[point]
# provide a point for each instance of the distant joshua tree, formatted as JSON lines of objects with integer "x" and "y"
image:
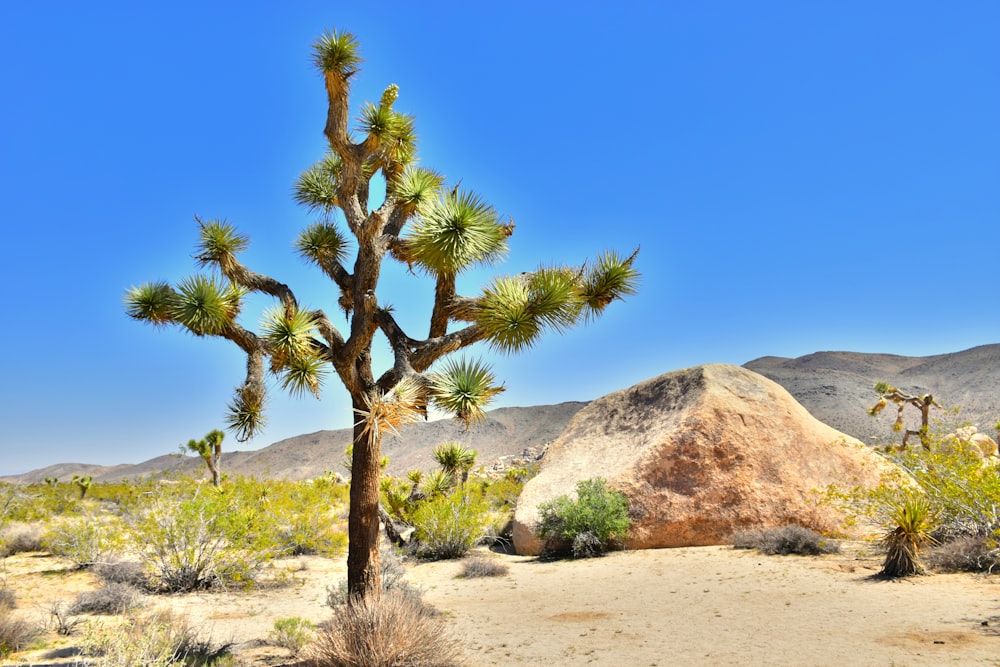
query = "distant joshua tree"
{"x": 209, "y": 449}
{"x": 923, "y": 403}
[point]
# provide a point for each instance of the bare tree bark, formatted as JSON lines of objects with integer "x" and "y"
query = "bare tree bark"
{"x": 364, "y": 577}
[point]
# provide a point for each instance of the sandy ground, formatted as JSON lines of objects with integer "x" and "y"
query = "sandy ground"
{"x": 692, "y": 606}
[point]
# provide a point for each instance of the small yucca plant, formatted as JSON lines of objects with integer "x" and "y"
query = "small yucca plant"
{"x": 914, "y": 520}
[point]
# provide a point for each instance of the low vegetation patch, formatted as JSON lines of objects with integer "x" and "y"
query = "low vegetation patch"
{"x": 592, "y": 523}
{"x": 110, "y": 599}
{"x": 391, "y": 629}
{"x": 16, "y": 632}
{"x": 973, "y": 553}
{"x": 292, "y": 633}
{"x": 482, "y": 566}
{"x": 791, "y": 539}
{"x": 156, "y": 640}
{"x": 20, "y": 537}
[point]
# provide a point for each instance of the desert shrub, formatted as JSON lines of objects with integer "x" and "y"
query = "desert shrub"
{"x": 156, "y": 640}
{"x": 448, "y": 526}
{"x": 63, "y": 620}
{"x": 791, "y": 539}
{"x": 8, "y": 600}
{"x": 16, "y": 633}
{"x": 20, "y": 537}
{"x": 482, "y": 566}
{"x": 307, "y": 517}
{"x": 292, "y": 633}
{"x": 964, "y": 554}
{"x": 391, "y": 629}
{"x": 111, "y": 599}
{"x": 598, "y": 517}
{"x": 204, "y": 540}
{"x": 129, "y": 572}
{"x": 86, "y": 541}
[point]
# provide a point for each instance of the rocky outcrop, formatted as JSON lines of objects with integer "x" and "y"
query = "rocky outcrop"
{"x": 969, "y": 439}
{"x": 701, "y": 453}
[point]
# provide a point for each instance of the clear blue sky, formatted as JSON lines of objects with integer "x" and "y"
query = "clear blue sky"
{"x": 801, "y": 176}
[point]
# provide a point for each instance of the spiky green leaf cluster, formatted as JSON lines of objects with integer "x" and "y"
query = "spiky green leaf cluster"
{"x": 321, "y": 243}
{"x": 219, "y": 243}
{"x": 455, "y": 232}
{"x": 464, "y": 388}
{"x": 554, "y": 298}
{"x": 505, "y": 313}
{"x": 337, "y": 53}
{"x": 290, "y": 333}
{"x": 612, "y": 278}
{"x": 206, "y": 305}
{"x": 316, "y": 188}
{"x": 151, "y": 302}
{"x": 417, "y": 188}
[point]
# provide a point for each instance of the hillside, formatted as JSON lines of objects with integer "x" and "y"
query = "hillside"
{"x": 507, "y": 431}
{"x": 838, "y": 387}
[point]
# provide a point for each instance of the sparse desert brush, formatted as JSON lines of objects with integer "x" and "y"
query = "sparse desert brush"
{"x": 970, "y": 553}
{"x": 482, "y": 566}
{"x": 110, "y": 599}
{"x": 129, "y": 572}
{"x": 18, "y": 537}
{"x": 388, "y": 629}
{"x": 155, "y": 640}
{"x": 8, "y": 600}
{"x": 16, "y": 632}
{"x": 86, "y": 541}
{"x": 204, "y": 540}
{"x": 292, "y": 633}
{"x": 791, "y": 539}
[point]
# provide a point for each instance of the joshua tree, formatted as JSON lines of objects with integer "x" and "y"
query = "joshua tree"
{"x": 455, "y": 459}
{"x": 83, "y": 483}
{"x": 438, "y": 232}
{"x": 209, "y": 449}
{"x": 923, "y": 403}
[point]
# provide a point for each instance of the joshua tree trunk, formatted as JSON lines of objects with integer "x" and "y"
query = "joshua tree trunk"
{"x": 364, "y": 578}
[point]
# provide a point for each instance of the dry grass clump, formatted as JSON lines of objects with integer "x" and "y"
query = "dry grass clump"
{"x": 129, "y": 572}
{"x": 482, "y": 566}
{"x": 156, "y": 640}
{"x": 7, "y": 598}
{"x": 111, "y": 599}
{"x": 393, "y": 629}
{"x": 18, "y": 538}
{"x": 16, "y": 634}
{"x": 964, "y": 554}
{"x": 787, "y": 540}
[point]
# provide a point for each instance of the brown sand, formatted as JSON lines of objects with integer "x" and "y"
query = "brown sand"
{"x": 691, "y": 606}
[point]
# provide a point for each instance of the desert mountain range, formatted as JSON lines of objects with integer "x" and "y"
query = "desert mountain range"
{"x": 836, "y": 387}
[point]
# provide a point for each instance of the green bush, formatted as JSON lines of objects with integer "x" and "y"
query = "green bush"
{"x": 86, "y": 541}
{"x": 587, "y": 526}
{"x": 209, "y": 539}
{"x": 448, "y": 526}
{"x": 292, "y": 633}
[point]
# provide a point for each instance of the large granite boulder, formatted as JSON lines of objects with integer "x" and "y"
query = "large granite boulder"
{"x": 701, "y": 453}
